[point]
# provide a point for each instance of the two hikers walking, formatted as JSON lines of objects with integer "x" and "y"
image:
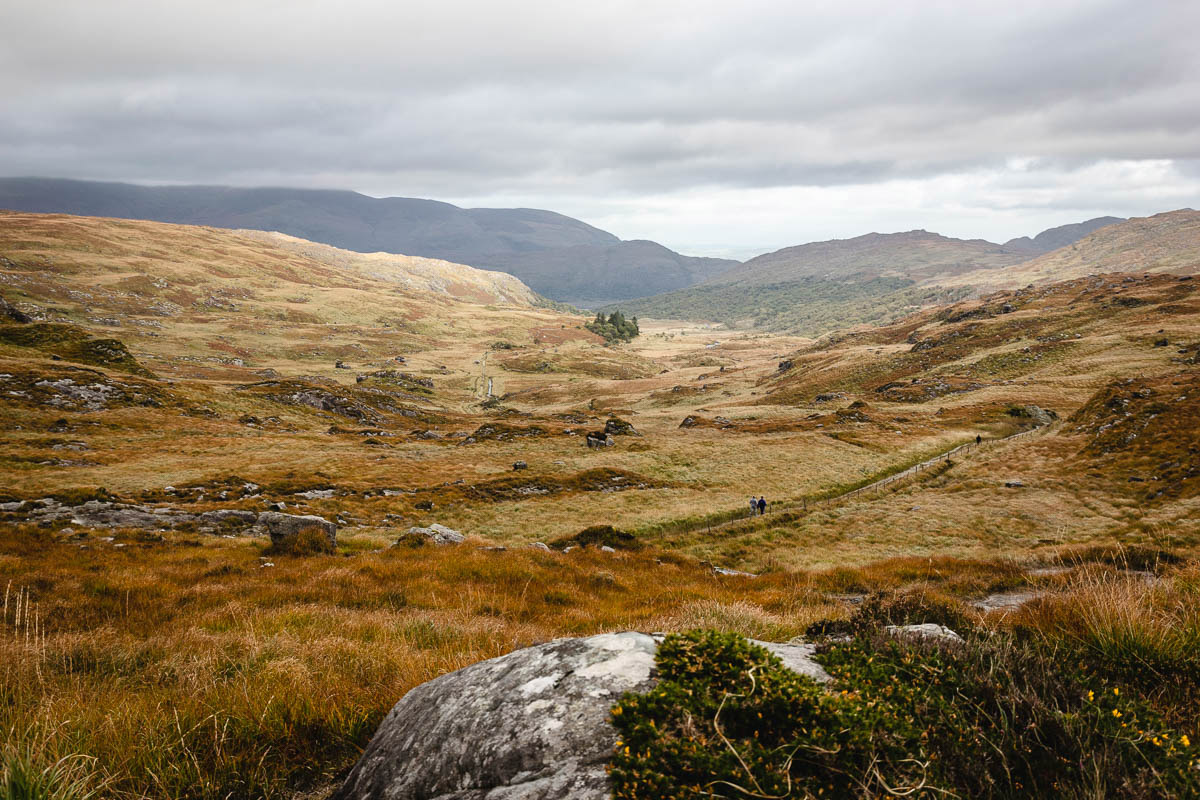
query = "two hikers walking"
{"x": 759, "y": 505}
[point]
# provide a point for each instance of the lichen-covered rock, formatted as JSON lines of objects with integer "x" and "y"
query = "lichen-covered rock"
{"x": 282, "y": 527}
{"x": 534, "y": 724}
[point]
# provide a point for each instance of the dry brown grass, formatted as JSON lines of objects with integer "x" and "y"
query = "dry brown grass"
{"x": 189, "y": 669}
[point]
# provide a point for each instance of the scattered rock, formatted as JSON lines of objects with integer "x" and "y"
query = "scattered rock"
{"x": 785, "y": 365}
{"x": 317, "y": 494}
{"x": 1014, "y": 484}
{"x": 247, "y": 517}
{"x": 519, "y": 465}
{"x": 540, "y": 546}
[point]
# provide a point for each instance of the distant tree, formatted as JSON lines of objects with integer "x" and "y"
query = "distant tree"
{"x": 615, "y": 327}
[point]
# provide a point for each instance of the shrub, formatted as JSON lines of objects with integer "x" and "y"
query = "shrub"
{"x": 992, "y": 718}
{"x": 600, "y": 536}
{"x": 881, "y": 609}
{"x": 614, "y": 327}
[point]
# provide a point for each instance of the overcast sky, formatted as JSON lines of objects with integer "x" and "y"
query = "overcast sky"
{"x": 712, "y": 127}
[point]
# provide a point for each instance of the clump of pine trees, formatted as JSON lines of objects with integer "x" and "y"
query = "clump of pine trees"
{"x": 614, "y": 327}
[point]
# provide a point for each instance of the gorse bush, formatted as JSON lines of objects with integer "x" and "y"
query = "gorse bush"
{"x": 992, "y": 718}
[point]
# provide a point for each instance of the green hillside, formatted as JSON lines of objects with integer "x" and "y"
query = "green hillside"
{"x": 808, "y": 307}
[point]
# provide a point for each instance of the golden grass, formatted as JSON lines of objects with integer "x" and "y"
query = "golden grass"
{"x": 188, "y": 668}
{"x": 192, "y": 668}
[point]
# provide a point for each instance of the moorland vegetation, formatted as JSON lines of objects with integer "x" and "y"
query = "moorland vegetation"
{"x": 154, "y": 644}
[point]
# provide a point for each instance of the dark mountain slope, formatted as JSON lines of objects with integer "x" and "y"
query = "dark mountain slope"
{"x": 559, "y": 257}
{"x": 1063, "y": 235}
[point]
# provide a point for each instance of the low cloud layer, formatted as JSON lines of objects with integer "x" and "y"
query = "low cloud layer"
{"x": 710, "y": 126}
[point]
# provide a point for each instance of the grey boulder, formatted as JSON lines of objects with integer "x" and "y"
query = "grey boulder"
{"x": 531, "y": 725}
{"x": 282, "y": 527}
{"x": 435, "y": 533}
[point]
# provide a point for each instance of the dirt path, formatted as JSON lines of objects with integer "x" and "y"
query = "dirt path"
{"x": 485, "y": 384}
{"x": 807, "y": 503}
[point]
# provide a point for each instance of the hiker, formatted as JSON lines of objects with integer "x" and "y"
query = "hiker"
{"x": 978, "y": 439}
{"x": 762, "y": 506}
{"x": 753, "y": 505}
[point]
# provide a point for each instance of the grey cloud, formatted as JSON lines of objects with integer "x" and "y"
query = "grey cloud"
{"x": 563, "y": 100}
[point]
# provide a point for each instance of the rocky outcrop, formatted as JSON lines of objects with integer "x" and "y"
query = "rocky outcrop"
{"x": 599, "y": 439}
{"x": 112, "y": 514}
{"x": 10, "y": 313}
{"x": 615, "y": 426}
{"x": 533, "y": 724}
{"x": 104, "y": 514}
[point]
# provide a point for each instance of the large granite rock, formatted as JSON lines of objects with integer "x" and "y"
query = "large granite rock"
{"x": 533, "y": 724}
{"x": 434, "y": 534}
{"x": 284, "y": 527}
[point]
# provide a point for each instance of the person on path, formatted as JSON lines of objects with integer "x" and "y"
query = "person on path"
{"x": 978, "y": 439}
{"x": 753, "y": 505}
{"x": 762, "y": 506}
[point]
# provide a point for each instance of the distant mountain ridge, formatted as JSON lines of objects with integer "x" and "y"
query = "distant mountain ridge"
{"x": 1166, "y": 242}
{"x": 817, "y": 287}
{"x": 910, "y": 255}
{"x": 557, "y": 256}
{"x": 1063, "y": 235}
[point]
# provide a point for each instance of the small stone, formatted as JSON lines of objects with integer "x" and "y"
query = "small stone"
{"x": 927, "y": 629}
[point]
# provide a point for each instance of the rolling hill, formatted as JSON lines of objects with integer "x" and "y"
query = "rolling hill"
{"x": 815, "y": 288}
{"x": 1063, "y": 235}
{"x": 1167, "y": 242}
{"x": 559, "y": 257}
